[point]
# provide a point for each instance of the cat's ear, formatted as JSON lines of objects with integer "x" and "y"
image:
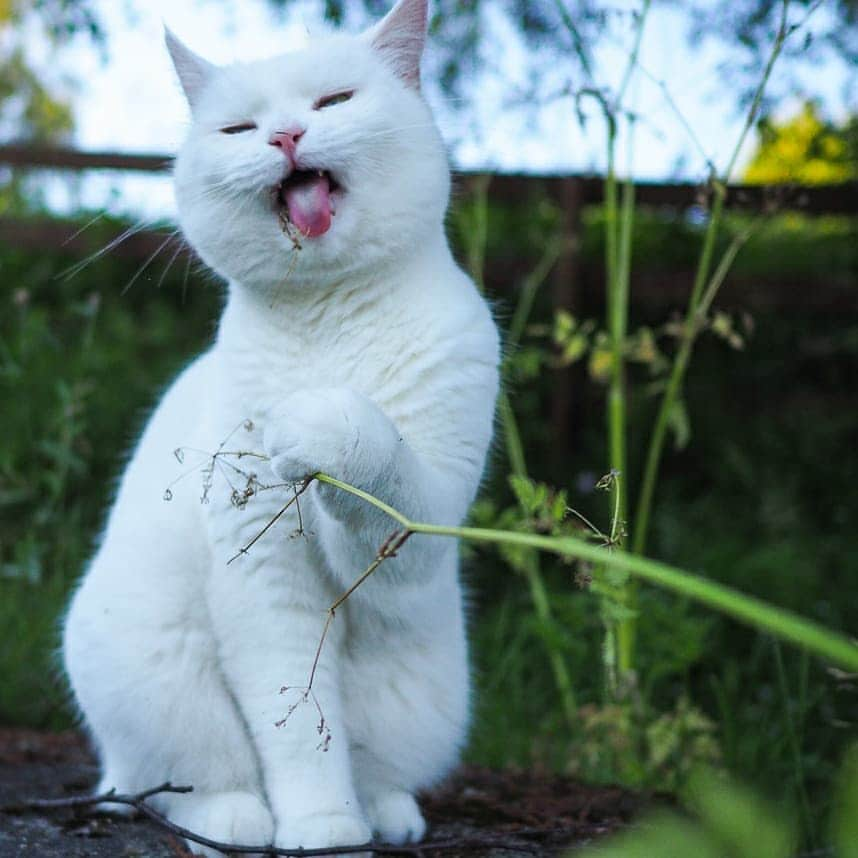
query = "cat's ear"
{"x": 194, "y": 72}
{"x": 400, "y": 37}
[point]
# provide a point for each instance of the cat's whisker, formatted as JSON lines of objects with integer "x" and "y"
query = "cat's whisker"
{"x": 181, "y": 245}
{"x": 185, "y": 278}
{"x": 387, "y": 132}
{"x": 84, "y": 228}
{"x": 154, "y": 255}
{"x": 72, "y": 270}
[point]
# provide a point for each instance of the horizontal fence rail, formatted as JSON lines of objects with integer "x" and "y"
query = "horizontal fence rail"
{"x": 577, "y": 190}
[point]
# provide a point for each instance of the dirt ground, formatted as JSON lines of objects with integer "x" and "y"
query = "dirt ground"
{"x": 528, "y": 813}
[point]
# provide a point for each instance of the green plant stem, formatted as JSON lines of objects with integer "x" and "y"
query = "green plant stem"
{"x": 529, "y": 288}
{"x": 514, "y": 448}
{"x": 781, "y": 623}
{"x": 476, "y": 249}
{"x": 618, "y": 251}
{"x": 535, "y": 582}
{"x": 677, "y": 374}
{"x": 617, "y": 420}
{"x": 643, "y": 509}
{"x": 794, "y": 743}
{"x": 577, "y": 41}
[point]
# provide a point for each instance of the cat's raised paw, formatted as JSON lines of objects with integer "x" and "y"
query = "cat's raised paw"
{"x": 323, "y": 829}
{"x": 396, "y": 818}
{"x": 334, "y": 430}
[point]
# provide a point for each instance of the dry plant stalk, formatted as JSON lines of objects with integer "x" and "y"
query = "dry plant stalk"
{"x": 219, "y": 460}
{"x": 139, "y": 803}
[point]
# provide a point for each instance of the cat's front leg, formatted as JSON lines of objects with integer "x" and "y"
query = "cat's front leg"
{"x": 268, "y": 615}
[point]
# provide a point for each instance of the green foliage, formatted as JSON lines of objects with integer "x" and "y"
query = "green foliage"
{"x": 805, "y": 149}
{"x": 551, "y": 30}
{"x": 78, "y": 364}
{"x": 641, "y": 747}
{"x": 27, "y": 103}
{"x": 729, "y": 820}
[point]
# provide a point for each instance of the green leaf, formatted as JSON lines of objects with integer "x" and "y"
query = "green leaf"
{"x": 558, "y": 507}
{"x": 601, "y": 363}
{"x": 745, "y": 825}
{"x": 574, "y": 349}
{"x": 564, "y": 325}
{"x": 663, "y": 836}
{"x": 616, "y": 612}
{"x": 679, "y": 423}
{"x": 526, "y": 361}
{"x": 524, "y": 490}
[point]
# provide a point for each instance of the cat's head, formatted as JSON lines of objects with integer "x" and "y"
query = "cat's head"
{"x": 331, "y": 149}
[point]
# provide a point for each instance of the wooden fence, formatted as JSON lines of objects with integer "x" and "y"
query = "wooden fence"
{"x": 570, "y": 193}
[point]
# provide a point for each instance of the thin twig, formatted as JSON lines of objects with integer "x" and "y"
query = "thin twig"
{"x": 138, "y": 802}
{"x": 388, "y": 549}
{"x": 108, "y": 797}
{"x": 272, "y": 521}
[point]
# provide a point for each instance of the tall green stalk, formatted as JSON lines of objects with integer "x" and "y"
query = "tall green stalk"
{"x": 691, "y": 327}
{"x": 618, "y": 253}
{"x": 781, "y": 623}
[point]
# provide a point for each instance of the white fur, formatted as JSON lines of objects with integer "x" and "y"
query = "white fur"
{"x": 367, "y": 354}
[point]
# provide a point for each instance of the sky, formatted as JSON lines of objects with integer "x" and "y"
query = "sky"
{"x": 133, "y": 102}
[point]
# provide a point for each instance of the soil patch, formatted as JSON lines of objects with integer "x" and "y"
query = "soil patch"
{"x": 525, "y": 811}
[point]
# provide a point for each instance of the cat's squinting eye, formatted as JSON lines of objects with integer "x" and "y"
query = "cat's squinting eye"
{"x": 331, "y": 100}
{"x": 239, "y": 128}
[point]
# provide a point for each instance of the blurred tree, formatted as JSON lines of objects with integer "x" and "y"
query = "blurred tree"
{"x": 806, "y": 149}
{"x": 462, "y": 31}
{"x": 30, "y": 106}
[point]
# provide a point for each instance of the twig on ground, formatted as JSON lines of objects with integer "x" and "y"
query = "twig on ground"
{"x": 108, "y": 797}
{"x": 517, "y": 841}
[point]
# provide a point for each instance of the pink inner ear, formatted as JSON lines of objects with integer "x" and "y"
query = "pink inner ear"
{"x": 400, "y": 38}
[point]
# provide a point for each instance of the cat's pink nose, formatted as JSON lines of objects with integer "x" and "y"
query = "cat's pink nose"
{"x": 287, "y": 141}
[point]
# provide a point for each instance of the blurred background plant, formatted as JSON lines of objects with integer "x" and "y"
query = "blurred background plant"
{"x": 757, "y": 485}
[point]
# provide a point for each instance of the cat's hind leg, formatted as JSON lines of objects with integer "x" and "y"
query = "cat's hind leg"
{"x": 145, "y": 673}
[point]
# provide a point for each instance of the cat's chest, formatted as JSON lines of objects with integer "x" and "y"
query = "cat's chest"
{"x": 385, "y": 363}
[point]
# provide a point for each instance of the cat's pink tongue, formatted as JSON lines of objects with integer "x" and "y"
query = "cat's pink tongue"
{"x": 309, "y": 204}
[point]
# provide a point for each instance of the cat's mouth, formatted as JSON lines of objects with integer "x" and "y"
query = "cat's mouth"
{"x": 306, "y": 199}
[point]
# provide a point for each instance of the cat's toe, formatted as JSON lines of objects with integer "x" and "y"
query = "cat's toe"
{"x": 323, "y": 829}
{"x": 396, "y": 818}
{"x": 238, "y": 818}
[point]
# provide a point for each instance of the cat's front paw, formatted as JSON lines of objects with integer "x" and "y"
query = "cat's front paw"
{"x": 334, "y": 430}
{"x": 321, "y": 830}
{"x": 396, "y": 818}
{"x": 227, "y": 817}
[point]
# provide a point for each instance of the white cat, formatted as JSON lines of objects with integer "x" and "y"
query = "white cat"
{"x": 351, "y": 343}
